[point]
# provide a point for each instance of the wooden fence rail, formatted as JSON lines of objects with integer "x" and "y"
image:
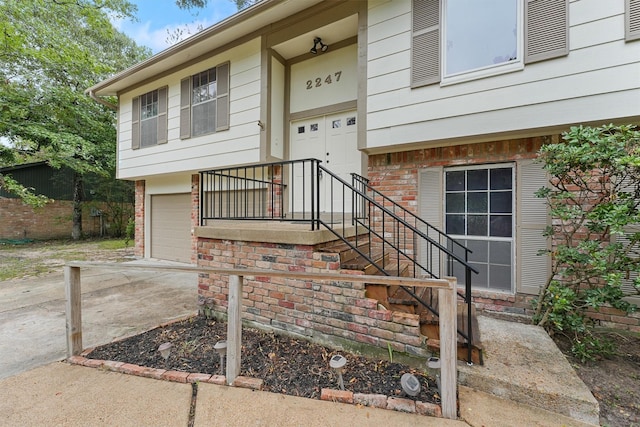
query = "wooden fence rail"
{"x": 446, "y": 295}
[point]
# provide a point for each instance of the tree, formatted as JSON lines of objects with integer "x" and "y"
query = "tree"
{"x": 52, "y": 50}
{"x": 199, "y": 4}
{"x": 594, "y": 198}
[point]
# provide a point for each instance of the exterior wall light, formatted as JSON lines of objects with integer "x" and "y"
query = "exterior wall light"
{"x": 318, "y": 42}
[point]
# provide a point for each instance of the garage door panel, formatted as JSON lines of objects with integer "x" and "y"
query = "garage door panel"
{"x": 171, "y": 227}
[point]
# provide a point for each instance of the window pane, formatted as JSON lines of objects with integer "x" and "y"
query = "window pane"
{"x": 500, "y": 277}
{"x": 500, "y": 226}
{"x": 455, "y": 181}
{"x": 455, "y": 203}
{"x": 149, "y": 132}
{"x": 501, "y": 202}
{"x": 477, "y": 225}
{"x": 479, "y": 33}
{"x": 501, "y": 179}
{"x": 203, "y": 120}
{"x": 477, "y": 179}
{"x": 477, "y": 202}
{"x": 480, "y": 250}
{"x": 500, "y": 253}
{"x": 482, "y": 278}
{"x": 455, "y": 224}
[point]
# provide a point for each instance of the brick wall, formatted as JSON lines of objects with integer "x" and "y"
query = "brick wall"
{"x": 139, "y": 218}
{"x": 396, "y": 175}
{"x": 323, "y": 311}
{"x": 53, "y": 221}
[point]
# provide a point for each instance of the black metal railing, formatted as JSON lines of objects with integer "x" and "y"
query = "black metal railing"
{"x": 380, "y": 230}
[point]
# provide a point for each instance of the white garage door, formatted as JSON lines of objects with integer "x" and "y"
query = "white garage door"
{"x": 171, "y": 227}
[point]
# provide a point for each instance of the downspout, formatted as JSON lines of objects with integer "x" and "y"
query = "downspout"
{"x": 102, "y": 101}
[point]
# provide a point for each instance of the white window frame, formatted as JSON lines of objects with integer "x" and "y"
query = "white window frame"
{"x": 514, "y": 214}
{"x": 487, "y": 71}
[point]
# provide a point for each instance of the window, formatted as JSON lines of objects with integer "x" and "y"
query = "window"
{"x": 479, "y": 213}
{"x": 149, "y": 119}
{"x": 479, "y": 35}
{"x": 204, "y": 102}
{"x": 459, "y": 40}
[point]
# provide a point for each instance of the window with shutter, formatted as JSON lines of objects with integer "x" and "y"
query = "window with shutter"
{"x": 460, "y": 40}
{"x": 149, "y": 119}
{"x": 632, "y": 20}
{"x": 204, "y": 102}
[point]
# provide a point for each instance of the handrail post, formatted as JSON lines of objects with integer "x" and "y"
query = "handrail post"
{"x": 448, "y": 348}
{"x": 234, "y": 328}
{"x": 73, "y": 310}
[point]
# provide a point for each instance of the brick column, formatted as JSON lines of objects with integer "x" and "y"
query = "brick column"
{"x": 139, "y": 216}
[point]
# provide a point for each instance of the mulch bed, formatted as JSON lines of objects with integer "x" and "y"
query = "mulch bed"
{"x": 289, "y": 366}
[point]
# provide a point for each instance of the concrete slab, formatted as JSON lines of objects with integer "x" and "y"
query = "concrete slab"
{"x": 231, "y": 406}
{"x": 115, "y": 304}
{"x": 479, "y": 409}
{"x": 523, "y": 364}
{"x": 61, "y": 394}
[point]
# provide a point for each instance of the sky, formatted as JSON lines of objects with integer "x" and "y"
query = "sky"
{"x": 158, "y": 18}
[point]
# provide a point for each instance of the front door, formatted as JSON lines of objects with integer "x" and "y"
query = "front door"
{"x": 333, "y": 139}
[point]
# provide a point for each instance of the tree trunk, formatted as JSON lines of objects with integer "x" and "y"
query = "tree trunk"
{"x": 78, "y": 193}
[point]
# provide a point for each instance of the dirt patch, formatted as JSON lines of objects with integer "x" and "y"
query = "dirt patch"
{"x": 288, "y": 366}
{"x": 615, "y": 381}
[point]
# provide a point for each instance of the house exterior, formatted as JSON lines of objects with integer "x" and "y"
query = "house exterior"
{"x": 440, "y": 104}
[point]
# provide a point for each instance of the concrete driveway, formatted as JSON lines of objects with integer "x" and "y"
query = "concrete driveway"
{"x": 114, "y": 305}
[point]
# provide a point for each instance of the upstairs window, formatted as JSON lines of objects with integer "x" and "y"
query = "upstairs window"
{"x": 149, "y": 119}
{"x": 204, "y": 102}
{"x": 460, "y": 40}
{"x": 481, "y": 36}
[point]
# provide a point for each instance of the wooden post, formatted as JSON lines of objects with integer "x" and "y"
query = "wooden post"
{"x": 74, "y": 310}
{"x": 234, "y": 328}
{"x": 448, "y": 348}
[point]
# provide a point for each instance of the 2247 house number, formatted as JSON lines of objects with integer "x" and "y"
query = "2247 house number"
{"x": 331, "y": 78}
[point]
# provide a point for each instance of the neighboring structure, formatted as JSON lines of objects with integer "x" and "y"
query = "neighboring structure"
{"x": 18, "y": 221}
{"x": 441, "y": 104}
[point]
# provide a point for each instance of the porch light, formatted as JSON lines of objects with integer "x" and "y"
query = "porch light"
{"x": 318, "y": 41}
{"x": 337, "y": 363}
{"x": 221, "y": 348}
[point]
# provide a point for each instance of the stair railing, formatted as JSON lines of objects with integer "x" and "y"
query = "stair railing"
{"x": 305, "y": 191}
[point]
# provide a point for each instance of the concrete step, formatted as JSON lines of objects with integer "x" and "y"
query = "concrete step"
{"x": 523, "y": 364}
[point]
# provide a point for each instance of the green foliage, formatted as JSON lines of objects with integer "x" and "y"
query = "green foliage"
{"x": 26, "y": 194}
{"x": 130, "y": 231}
{"x": 52, "y": 51}
{"x": 199, "y": 4}
{"x": 593, "y": 197}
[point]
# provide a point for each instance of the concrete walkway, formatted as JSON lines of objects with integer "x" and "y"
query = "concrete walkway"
{"x": 70, "y": 395}
{"x": 114, "y": 305}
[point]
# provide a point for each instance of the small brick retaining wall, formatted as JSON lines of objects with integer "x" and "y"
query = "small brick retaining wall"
{"x": 330, "y": 311}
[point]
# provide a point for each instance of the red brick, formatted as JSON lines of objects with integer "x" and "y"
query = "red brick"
{"x": 428, "y": 409}
{"x": 332, "y": 395}
{"x": 217, "y": 379}
{"x": 93, "y": 363}
{"x": 248, "y": 382}
{"x": 198, "y": 377}
{"x": 131, "y": 369}
{"x": 401, "y": 405}
{"x": 153, "y": 373}
{"x": 111, "y": 365}
{"x": 77, "y": 360}
{"x": 373, "y": 400}
{"x": 176, "y": 376}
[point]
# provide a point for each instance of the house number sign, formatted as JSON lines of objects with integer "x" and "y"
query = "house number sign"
{"x": 319, "y": 81}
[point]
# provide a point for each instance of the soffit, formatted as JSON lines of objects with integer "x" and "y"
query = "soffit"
{"x": 236, "y": 26}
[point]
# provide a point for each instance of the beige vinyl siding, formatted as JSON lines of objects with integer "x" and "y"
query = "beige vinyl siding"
{"x": 532, "y": 218}
{"x": 239, "y": 144}
{"x": 545, "y": 94}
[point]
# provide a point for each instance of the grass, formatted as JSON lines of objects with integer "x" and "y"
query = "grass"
{"x": 35, "y": 258}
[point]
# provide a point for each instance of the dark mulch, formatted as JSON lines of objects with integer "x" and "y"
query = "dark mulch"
{"x": 289, "y": 366}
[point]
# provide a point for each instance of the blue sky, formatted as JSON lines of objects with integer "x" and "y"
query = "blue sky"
{"x": 156, "y": 18}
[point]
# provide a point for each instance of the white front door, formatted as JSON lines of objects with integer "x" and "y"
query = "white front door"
{"x": 333, "y": 139}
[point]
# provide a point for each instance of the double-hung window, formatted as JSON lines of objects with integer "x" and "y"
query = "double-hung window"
{"x": 204, "y": 102}
{"x": 479, "y": 213}
{"x": 149, "y": 119}
{"x": 460, "y": 40}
